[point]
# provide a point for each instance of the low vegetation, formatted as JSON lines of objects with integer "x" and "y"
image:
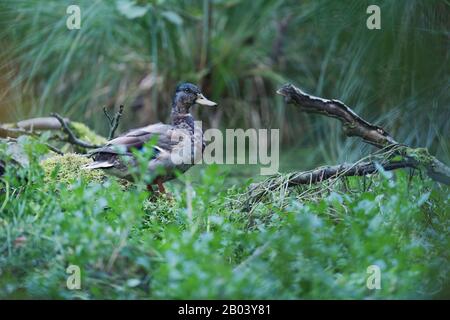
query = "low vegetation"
{"x": 203, "y": 244}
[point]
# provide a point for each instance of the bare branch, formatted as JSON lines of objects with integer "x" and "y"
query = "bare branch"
{"x": 41, "y": 123}
{"x": 71, "y": 136}
{"x": 110, "y": 120}
{"x": 346, "y": 170}
{"x": 322, "y": 174}
{"x": 54, "y": 149}
{"x": 6, "y": 132}
{"x": 115, "y": 122}
{"x": 353, "y": 124}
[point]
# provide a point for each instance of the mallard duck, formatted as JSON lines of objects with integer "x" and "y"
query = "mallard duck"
{"x": 116, "y": 157}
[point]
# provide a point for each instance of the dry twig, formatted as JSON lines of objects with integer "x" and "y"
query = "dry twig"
{"x": 113, "y": 121}
{"x": 71, "y": 138}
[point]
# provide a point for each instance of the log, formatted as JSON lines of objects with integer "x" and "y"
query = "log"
{"x": 259, "y": 190}
{"x": 354, "y": 125}
{"x": 346, "y": 170}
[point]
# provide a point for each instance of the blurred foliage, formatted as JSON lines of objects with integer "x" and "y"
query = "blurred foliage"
{"x": 135, "y": 52}
{"x": 128, "y": 247}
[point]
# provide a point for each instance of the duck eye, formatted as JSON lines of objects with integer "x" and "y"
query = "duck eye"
{"x": 186, "y": 90}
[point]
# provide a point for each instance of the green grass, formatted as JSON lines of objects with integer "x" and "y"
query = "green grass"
{"x": 202, "y": 245}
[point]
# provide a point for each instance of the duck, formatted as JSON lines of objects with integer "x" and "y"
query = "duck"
{"x": 169, "y": 155}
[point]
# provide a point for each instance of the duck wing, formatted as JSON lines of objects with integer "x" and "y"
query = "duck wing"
{"x": 106, "y": 156}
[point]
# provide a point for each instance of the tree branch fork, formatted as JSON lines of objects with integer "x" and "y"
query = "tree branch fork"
{"x": 354, "y": 125}
{"x": 390, "y": 155}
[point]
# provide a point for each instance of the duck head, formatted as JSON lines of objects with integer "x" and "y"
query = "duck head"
{"x": 186, "y": 95}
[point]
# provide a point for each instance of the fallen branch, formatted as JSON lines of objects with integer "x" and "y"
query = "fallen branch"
{"x": 30, "y": 127}
{"x": 41, "y": 123}
{"x": 34, "y": 127}
{"x": 6, "y": 132}
{"x": 13, "y": 133}
{"x": 354, "y": 125}
{"x": 321, "y": 174}
{"x": 346, "y": 170}
{"x": 71, "y": 138}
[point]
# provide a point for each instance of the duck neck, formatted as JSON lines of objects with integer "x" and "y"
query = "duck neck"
{"x": 182, "y": 120}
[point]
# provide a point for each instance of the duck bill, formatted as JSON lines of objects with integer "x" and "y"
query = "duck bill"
{"x": 201, "y": 100}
